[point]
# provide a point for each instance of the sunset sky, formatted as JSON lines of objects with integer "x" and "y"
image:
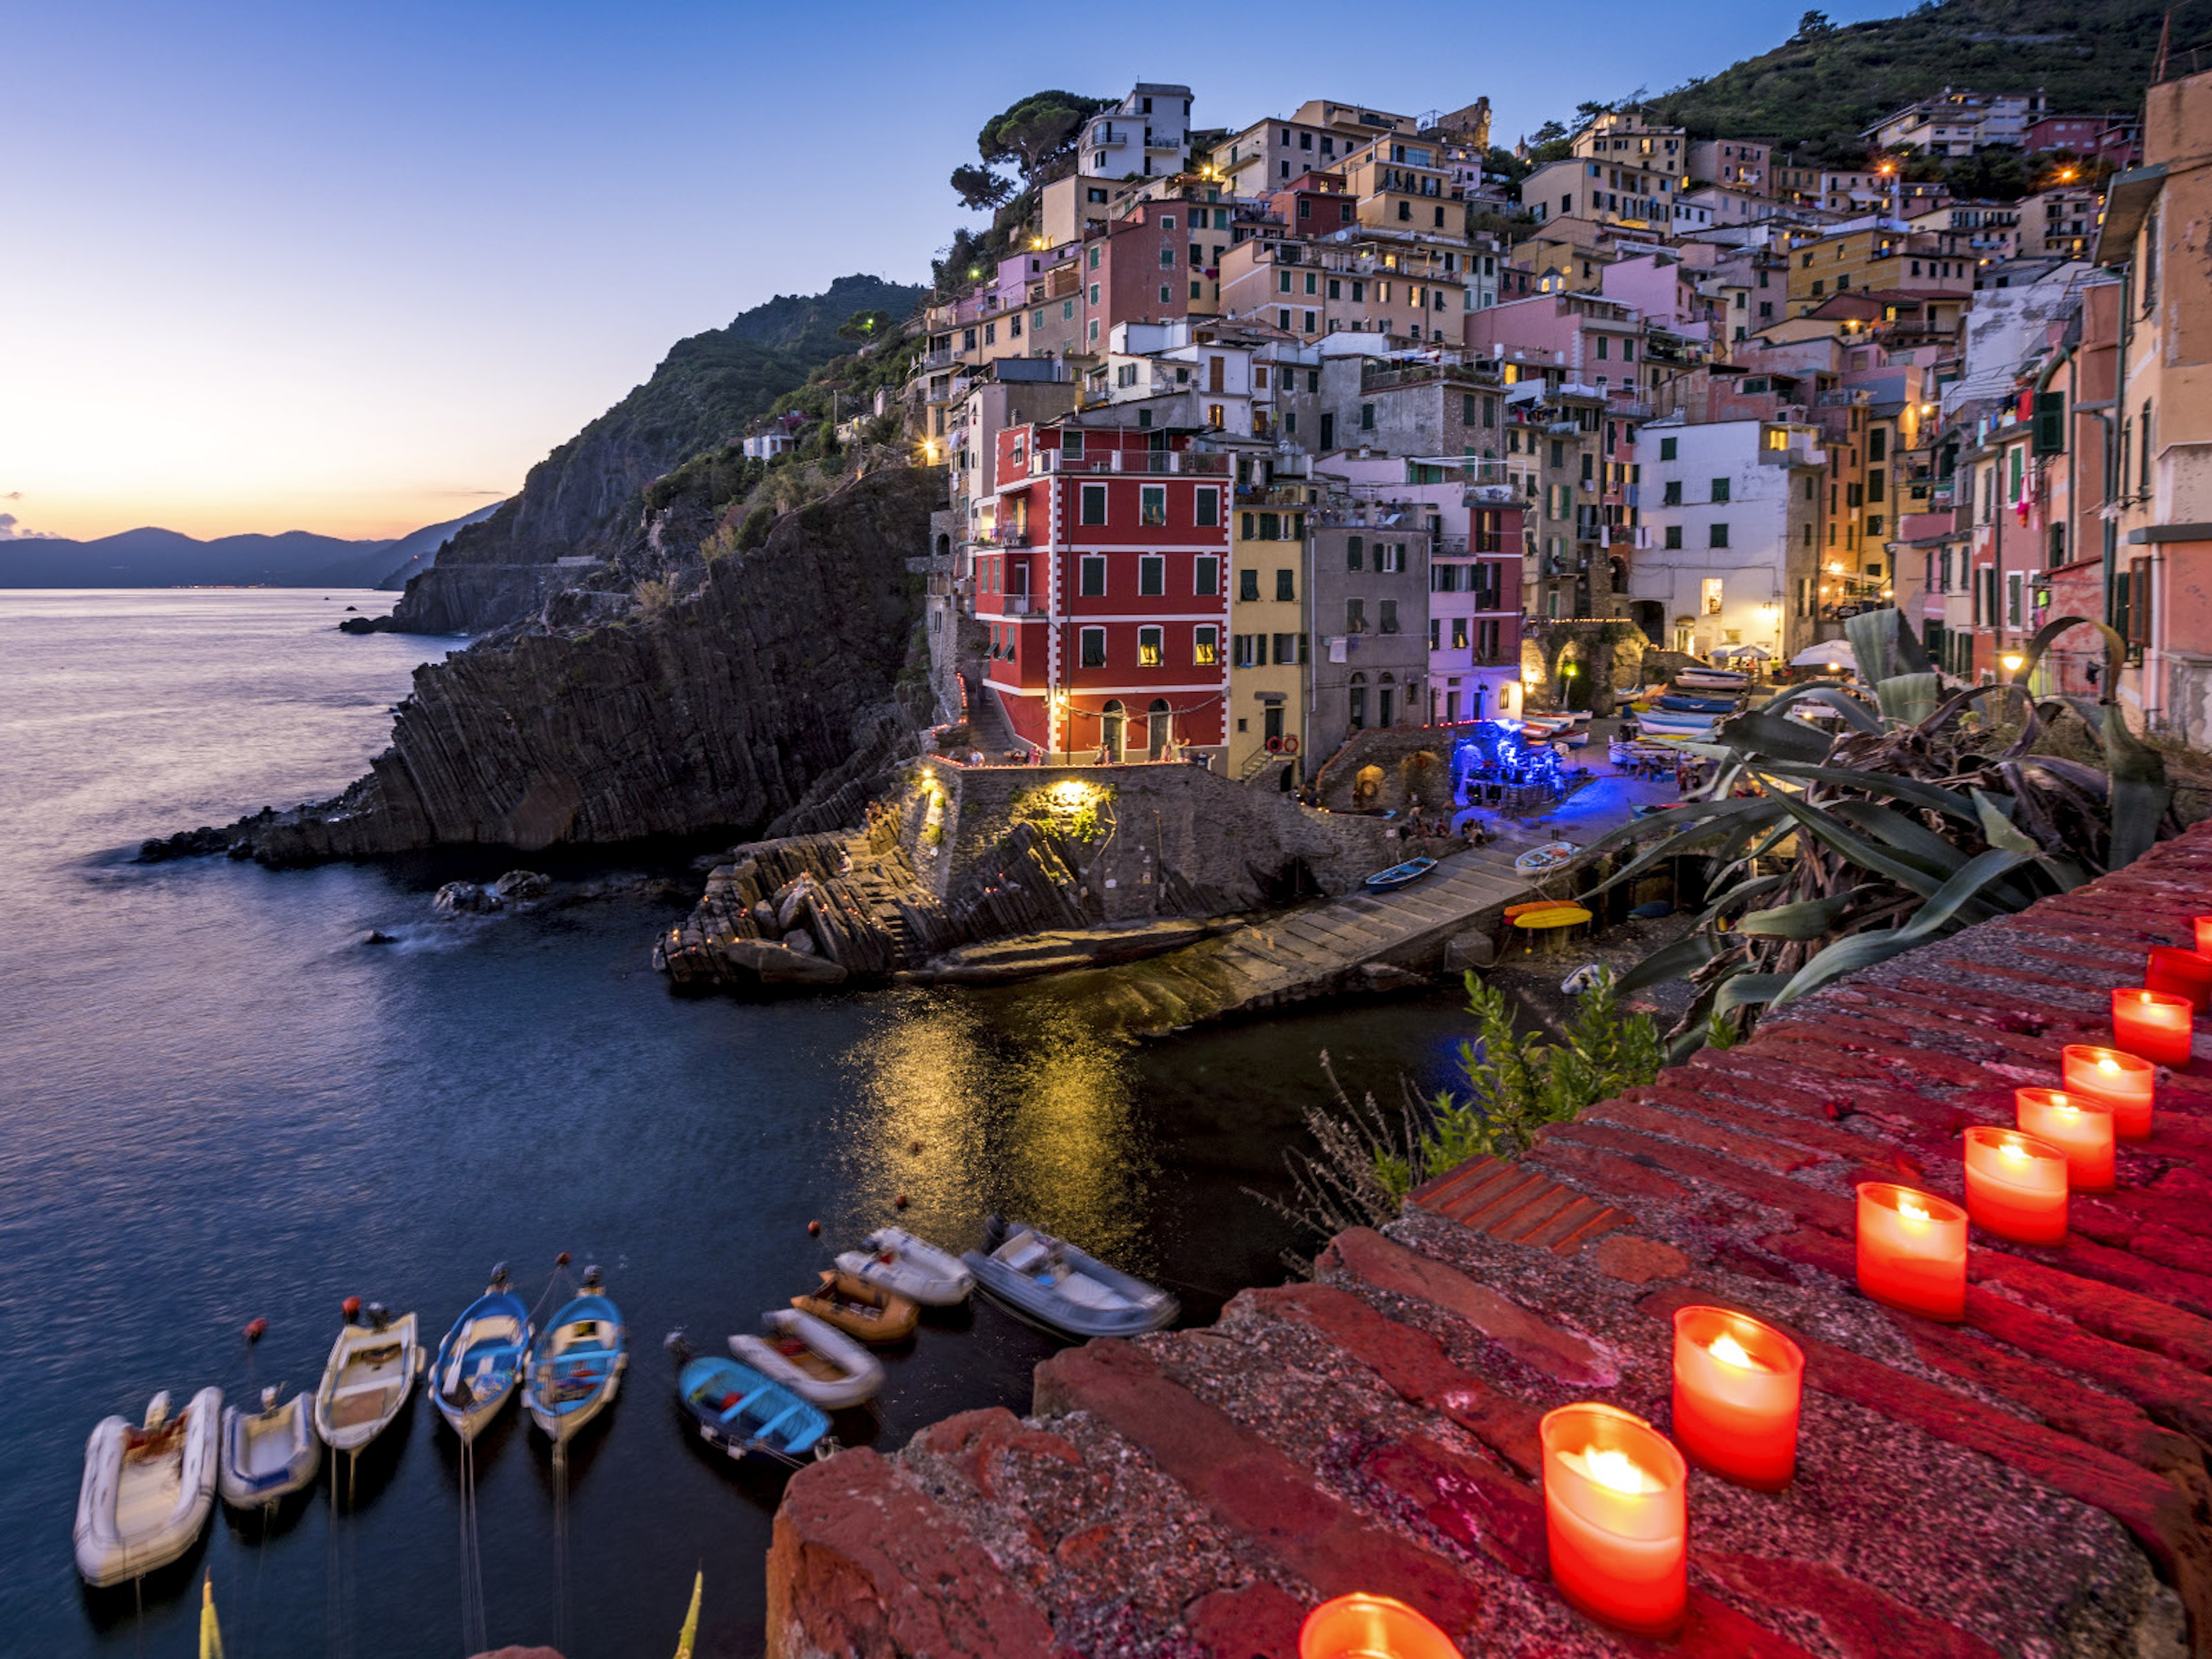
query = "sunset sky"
{"x": 353, "y": 269}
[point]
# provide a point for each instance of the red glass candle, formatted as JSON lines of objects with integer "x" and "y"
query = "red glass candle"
{"x": 1737, "y": 1385}
{"x": 2183, "y": 972}
{"x": 2079, "y": 1126}
{"x": 2121, "y": 1082}
{"x": 1616, "y": 1515}
{"x": 2153, "y": 1024}
{"x": 1370, "y": 1627}
{"x": 1912, "y": 1251}
{"x": 2017, "y": 1185}
{"x": 2203, "y": 926}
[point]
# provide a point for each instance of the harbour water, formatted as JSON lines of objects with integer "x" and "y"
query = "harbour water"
{"x": 217, "y": 1104}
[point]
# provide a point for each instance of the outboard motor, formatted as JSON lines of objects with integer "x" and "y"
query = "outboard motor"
{"x": 591, "y": 1282}
{"x": 379, "y": 1315}
{"x": 499, "y": 1277}
{"x": 994, "y": 1231}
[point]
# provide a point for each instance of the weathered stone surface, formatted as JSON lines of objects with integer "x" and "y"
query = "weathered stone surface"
{"x": 1636, "y": 1260}
{"x": 723, "y": 709}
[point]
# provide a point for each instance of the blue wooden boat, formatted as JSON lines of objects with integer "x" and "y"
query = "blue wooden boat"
{"x": 1682, "y": 705}
{"x": 575, "y": 1364}
{"x": 1049, "y": 1282}
{"x": 1400, "y": 875}
{"x": 480, "y": 1362}
{"x": 743, "y": 1412}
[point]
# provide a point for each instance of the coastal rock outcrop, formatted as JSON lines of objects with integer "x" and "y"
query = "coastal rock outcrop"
{"x": 718, "y": 708}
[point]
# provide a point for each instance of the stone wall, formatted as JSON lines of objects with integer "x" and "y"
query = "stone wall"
{"x": 1387, "y": 770}
{"x": 1604, "y": 654}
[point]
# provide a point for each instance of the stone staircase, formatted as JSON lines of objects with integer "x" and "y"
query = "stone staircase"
{"x": 986, "y": 721}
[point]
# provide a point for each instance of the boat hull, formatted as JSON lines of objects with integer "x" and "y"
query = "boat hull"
{"x": 133, "y": 1519}
{"x": 361, "y": 1392}
{"x": 918, "y": 1270}
{"x": 268, "y": 1455}
{"x": 478, "y": 1366}
{"x": 1148, "y": 1307}
{"x": 569, "y": 1379}
{"x": 744, "y": 1414}
{"x": 867, "y": 1312}
{"x": 863, "y": 1373}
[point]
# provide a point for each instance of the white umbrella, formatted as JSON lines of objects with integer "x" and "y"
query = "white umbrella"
{"x": 1834, "y": 654}
{"x": 1759, "y": 651}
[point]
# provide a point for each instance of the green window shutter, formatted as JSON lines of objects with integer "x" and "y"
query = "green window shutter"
{"x": 2049, "y": 423}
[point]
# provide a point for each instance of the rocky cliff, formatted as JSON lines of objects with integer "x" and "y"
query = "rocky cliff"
{"x": 582, "y": 502}
{"x": 719, "y": 707}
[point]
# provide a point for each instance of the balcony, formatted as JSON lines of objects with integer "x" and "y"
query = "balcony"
{"x": 1796, "y": 455}
{"x": 1018, "y": 604}
{"x": 1153, "y": 463}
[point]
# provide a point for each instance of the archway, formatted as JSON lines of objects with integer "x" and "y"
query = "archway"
{"x": 1386, "y": 700}
{"x": 1110, "y": 722}
{"x": 944, "y": 547}
{"x": 1356, "y": 702}
{"x": 1366, "y": 786}
{"x": 1159, "y": 724}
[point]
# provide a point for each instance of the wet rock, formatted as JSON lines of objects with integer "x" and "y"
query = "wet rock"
{"x": 458, "y": 898}
{"x": 800, "y": 940}
{"x": 375, "y": 936}
{"x": 202, "y": 842}
{"x": 518, "y": 886}
{"x": 359, "y": 625}
{"x": 778, "y": 964}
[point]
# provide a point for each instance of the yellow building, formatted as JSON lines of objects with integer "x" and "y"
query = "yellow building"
{"x": 1268, "y": 619}
{"x": 1878, "y": 257}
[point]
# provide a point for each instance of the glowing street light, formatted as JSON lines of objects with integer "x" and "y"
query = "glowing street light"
{"x": 2012, "y": 661}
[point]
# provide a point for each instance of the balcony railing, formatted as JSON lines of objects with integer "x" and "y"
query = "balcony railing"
{"x": 1148, "y": 463}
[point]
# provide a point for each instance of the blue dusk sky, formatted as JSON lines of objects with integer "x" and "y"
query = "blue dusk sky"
{"x": 353, "y": 268}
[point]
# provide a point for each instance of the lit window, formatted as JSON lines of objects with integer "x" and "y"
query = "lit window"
{"x": 1205, "y": 648}
{"x": 1148, "y": 648}
{"x": 1152, "y": 504}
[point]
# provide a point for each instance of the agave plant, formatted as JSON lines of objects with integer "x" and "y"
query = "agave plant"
{"x": 1923, "y": 813}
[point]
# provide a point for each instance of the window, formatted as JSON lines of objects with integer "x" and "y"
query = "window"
{"x": 1093, "y": 508}
{"x": 1670, "y": 493}
{"x": 1356, "y": 702}
{"x": 1716, "y": 536}
{"x": 1206, "y": 647}
{"x": 1094, "y": 647}
{"x": 1092, "y": 582}
{"x": 1877, "y": 481}
{"x": 1355, "y": 615}
{"x": 1152, "y": 504}
{"x": 1248, "y": 650}
{"x": 1151, "y": 575}
{"x": 1674, "y": 535}
{"x": 1167, "y": 258}
{"x": 1355, "y": 554}
{"x": 2135, "y": 599}
{"x": 1720, "y": 491}
{"x": 1878, "y": 444}
{"x": 1150, "y": 651}
{"x": 1390, "y": 557}
{"x": 1459, "y": 632}
{"x": 1206, "y": 508}
{"x": 1387, "y": 616}
{"x": 1248, "y": 585}
{"x": 1367, "y": 418}
{"x": 1282, "y": 282}
{"x": 1094, "y": 294}
{"x": 1206, "y": 575}
{"x": 1167, "y": 294}
{"x": 1290, "y": 648}
{"x": 1285, "y": 585}
{"x": 1435, "y": 634}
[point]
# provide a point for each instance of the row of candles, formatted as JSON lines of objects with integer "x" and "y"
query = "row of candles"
{"x": 1616, "y": 1491}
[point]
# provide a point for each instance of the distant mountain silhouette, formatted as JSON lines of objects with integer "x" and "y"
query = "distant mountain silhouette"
{"x": 151, "y": 557}
{"x": 419, "y": 551}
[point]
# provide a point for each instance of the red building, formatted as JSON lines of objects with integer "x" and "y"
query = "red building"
{"x": 1105, "y": 590}
{"x": 1141, "y": 269}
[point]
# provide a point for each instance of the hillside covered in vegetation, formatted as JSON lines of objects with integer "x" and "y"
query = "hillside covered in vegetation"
{"x": 1829, "y": 81}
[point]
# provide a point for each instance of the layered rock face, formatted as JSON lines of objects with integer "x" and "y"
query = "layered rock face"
{"x": 722, "y": 709}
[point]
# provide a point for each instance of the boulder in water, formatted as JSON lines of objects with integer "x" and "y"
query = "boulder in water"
{"x": 458, "y": 898}
{"x": 375, "y": 936}
{"x": 518, "y": 886}
{"x": 800, "y": 940}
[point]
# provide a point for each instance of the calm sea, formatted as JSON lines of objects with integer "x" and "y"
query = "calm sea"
{"x": 215, "y": 1106}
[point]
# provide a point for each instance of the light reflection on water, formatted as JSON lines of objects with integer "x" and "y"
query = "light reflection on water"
{"x": 214, "y": 1105}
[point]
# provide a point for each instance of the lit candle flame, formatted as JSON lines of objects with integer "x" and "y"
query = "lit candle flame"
{"x": 2107, "y": 1063}
{"x": 1615, "y": 1470}
{"x": 1908, "y": 1207}
{"x": 2067, "y": 1110}
{"x": 1729, "y": 1352}
{"x": 2015, "y": 1150}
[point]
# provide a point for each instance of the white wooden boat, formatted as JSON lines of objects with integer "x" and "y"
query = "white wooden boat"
{"x": 1550, "y": 856}
{"x": 268, "y": 1453}
{"x": 897, "y": 1261}
{"x": 1050, "y": 1282}
{"x": 372, "y": 1371}
{"x": 1710, "y": 679}
{"x": 148, "y": 1488}
{"x": 822, "y": 1365}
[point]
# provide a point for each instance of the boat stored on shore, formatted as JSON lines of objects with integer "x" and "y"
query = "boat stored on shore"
{"x": 372, "y": 1371}
{"x": 148, "y": 1489}
{"x": 818, "y": 1362}
{"x": 575, "y": 1366}
{"x": 1049, "y": 1282}
{"x": 1400, "y": 875}
{"x": 268, "y": 1453}
{"x": 897, "y": 1261}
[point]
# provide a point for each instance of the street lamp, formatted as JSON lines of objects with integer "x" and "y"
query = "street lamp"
{"x": 2012, "y": 661}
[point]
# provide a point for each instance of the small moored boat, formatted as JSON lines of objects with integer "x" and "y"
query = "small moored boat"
{"x": 857, "y": 1308}
{"x": 1053, "y": 1284}
{"x": 268, "y": 1453}
{"x": 819, "y": 1364}
{"x": 909, "y": 1266}
{"x": 1675, "y": 703}
{"x": 372, "y": 1371}
{"x": 148, "y": 1488}
{"x": 1400, "y": 875}
{"x": 480, "y": 1361}
{"x": 1550, "y": 856}
{"x": 742, "y": 1411}
{"x": 575, "y": 1364}
{"x": 1710, "y": 679}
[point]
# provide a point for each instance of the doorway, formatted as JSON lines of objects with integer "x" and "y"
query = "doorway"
{"x": 1109, "y": 729}
{"x": 1158, "y": 720}
{"x": 1271, "y": 725}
